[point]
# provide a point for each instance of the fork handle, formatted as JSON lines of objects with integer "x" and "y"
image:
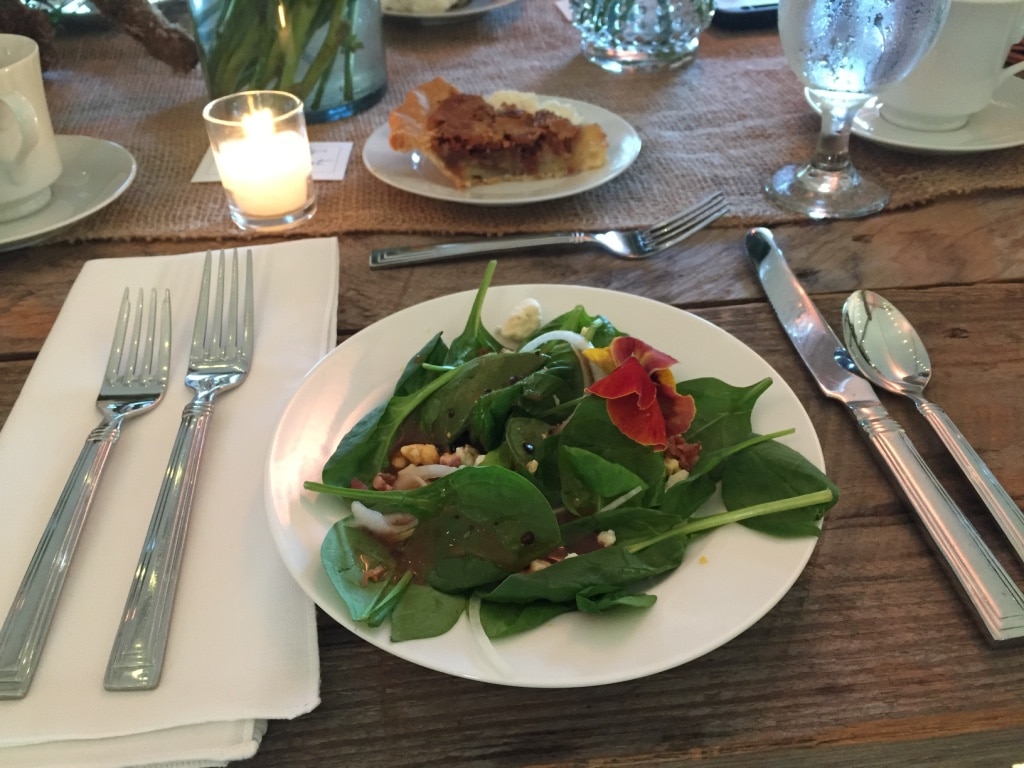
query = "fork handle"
{"x": 395, "y": 257}
{"x": 137, "y": 657}
{"x": 28, "y": 621}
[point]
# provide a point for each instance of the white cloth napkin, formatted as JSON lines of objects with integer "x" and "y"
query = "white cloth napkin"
{"x": 243, "y": 644}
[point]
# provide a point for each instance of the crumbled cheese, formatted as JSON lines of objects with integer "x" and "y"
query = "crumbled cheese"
{"x": 606, "y": 538}
{"x": 531, "y": 466}
{"x": 418, "y": 6}
{"x": 523, "y": 320}
{"x": 530, "y": 102}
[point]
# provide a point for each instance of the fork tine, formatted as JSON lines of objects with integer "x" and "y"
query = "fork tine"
{"x": 147, "y": 351}
{"x": 120, "y": 331}
{"x": 232, "y": 318}
{"x": 164, "y": 355}
{"x": 681, "y": 226}
{"x": 132, "y": 360}
{"x": 248, "y": 321}
{"x": 202, "y": 308}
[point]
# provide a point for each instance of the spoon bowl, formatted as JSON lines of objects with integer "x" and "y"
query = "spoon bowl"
{"x": 888, "y": 351}
{"x": 884, "y": 345}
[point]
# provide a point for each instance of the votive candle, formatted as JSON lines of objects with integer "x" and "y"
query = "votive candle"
{"x": 262, "y": 155}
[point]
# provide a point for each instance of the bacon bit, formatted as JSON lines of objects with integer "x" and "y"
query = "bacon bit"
{"x": 683, "y": 452}
{"x": 384, "y": 481}
{"x": 373, "y": 574}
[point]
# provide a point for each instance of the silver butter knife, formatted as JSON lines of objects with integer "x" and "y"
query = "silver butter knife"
{"x": 995, "y": 598}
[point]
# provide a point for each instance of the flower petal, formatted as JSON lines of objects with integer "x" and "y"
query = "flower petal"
{"x": 629, "y": 379}
{"x": 652, "y": 360}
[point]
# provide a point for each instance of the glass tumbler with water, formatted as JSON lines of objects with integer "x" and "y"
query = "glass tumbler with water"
{"x": 845, "y": 51}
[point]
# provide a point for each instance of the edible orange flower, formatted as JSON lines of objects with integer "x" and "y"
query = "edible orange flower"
{"x": 641, "y": 392}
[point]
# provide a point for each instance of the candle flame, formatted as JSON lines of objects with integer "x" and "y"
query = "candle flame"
{"x": 259, "y": 124}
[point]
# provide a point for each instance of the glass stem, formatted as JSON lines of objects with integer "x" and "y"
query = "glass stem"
{"x": 833, "y": 150}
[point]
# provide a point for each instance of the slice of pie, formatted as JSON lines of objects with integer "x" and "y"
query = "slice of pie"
{"x": 473, "y": 141}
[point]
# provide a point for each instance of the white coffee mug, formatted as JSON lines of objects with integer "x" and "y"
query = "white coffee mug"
{"x": 29, "y": 160}
{"x": 959, "y": 75}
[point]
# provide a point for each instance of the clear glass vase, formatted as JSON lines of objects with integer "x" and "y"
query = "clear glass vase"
{"x": 329, "y": 53}
{"x": 638, "y": 35}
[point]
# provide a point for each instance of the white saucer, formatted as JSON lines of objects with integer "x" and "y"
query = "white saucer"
{"x": 463, "y": 12}
{"x": 999, "y": 126}
{"x": 409, "y": 172}
{"x": 96, "y": 172}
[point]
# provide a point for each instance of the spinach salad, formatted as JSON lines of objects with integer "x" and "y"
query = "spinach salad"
{"x": 566, "y": 474}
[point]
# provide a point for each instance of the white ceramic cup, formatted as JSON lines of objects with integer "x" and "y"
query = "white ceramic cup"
{"x": 29, "y": 161}
{"x": 958, "y": 76}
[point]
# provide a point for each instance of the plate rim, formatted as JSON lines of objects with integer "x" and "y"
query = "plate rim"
{"x": 410, "y": 651}
{"x": 630, "y": 145}
{"x": 467, "y": 11}
{"x": 118, "y": 166}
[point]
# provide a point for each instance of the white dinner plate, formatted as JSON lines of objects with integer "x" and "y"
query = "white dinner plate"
{"x": 95, "y": 173}
{"x": 410, "y": 172}
{"x": 469, "y": 10}
{"x": 728, "y": 580}
{"x": 1000, "y": 125}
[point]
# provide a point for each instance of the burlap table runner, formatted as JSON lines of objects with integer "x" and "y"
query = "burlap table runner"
{"x": 722, "y": 124}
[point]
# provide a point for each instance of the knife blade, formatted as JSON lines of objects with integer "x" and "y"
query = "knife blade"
{"x": 997, "y": 602}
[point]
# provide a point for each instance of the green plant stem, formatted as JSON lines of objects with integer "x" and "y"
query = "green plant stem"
{"x": 707, "y": 523}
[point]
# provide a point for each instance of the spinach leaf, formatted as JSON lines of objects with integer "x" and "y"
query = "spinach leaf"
{"x": 772, "y": 471}
{"x": 361, "y": 570}
{"x": 597, "y": 328}
{"x": 506, "y": 619}
{"x": 475, "y": 339}
{"x": 723, "y": 411}
{"x": 364, "y": 449}
{"x": 591, "y": 429}
{"x": 423, "y": 367}
{"x": 602, "y": 571}
{"x": 483, "y": 388}
{"x": 425, "y": 612}
{"x": 476, "y": 525}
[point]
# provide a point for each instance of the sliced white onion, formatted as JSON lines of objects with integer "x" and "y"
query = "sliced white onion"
{"x": 392, "y": 527}
{"x": 578, "y": 342}
{"x": 417, "y": 475}
{"x": 483, "y": 642}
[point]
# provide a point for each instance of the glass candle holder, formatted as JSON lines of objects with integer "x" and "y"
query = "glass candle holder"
{"x": 262, "y": 154}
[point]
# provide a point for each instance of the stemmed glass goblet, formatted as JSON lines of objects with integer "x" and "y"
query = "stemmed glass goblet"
{"x": 846, "y": 51}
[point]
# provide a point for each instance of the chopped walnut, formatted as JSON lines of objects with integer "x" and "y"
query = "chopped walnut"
{"x": 420, "y": 453}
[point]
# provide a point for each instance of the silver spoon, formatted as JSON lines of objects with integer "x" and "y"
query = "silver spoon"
{"x": 889, "y": 352}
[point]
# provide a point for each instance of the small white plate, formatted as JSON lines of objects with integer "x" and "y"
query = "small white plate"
{"x": 463, "y": 12}
{"x": 95, "y": 173}
{"x": 410, "y": 172}
{"x": 728, "y": 580}
{"x": 999, "y": 126}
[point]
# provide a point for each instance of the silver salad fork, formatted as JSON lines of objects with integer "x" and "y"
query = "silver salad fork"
{"x": 632, "y": 244}
{"x": 219, "y": 360}
{"x": 134, "y": 382}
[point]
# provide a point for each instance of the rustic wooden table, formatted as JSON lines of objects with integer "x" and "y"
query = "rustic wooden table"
{"x": 870, "y": 659}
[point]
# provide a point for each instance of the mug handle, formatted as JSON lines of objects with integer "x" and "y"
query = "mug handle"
{"x": 28, "y": 125}
{"x": 1010, "y": 70}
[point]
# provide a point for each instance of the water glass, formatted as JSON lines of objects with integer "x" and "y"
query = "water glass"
{"x": 640, "y": 35}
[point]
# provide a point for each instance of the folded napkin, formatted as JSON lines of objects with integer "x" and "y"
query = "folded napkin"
{"x": 243, "y": 644}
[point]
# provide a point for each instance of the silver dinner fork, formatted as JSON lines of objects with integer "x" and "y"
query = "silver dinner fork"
{"x": 134, "y": 382}
{"x": 626, "y": 244}
{"x": 219, "y": 360}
